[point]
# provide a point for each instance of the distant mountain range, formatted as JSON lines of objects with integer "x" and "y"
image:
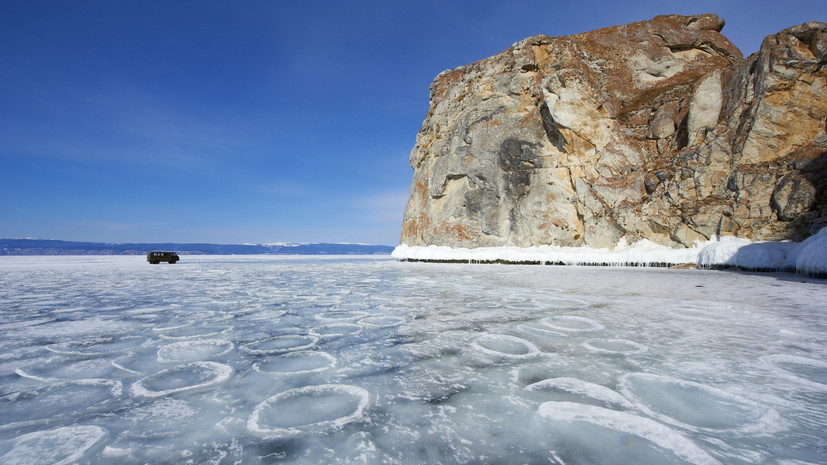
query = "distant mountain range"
{"x": 55, "y": 247}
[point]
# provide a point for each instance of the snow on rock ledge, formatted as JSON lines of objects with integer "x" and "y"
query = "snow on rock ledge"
{"x": 642, "y": 253}
{"x": 811, "y": 255}
{"x": 808, "y": 257}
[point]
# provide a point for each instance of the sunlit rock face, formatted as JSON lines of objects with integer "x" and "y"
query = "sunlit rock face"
{"x": 658, "y": 130}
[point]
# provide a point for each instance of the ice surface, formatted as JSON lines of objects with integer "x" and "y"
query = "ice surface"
{"x": 695, "y": 406}
{"x": 805, "y": 372}
{"x": 194, "y": 350}
{"x": 335, "y": 330}
{"x": 298, "y": 362}
{"x": 308, "y": 409}
{"x": 572, "y": 323}
{"x": 342, "y": 316}
{"x": 583, "y": 390}
{"x": 59, "y": 446}
{"x": 503, "y": 345}
{"x": 280, "y": 344}
{"x": 196, "y": 375}
{"x": 624, "y": 428}
{"x": 614, "y": 346}
{"x": 254, "y": 359}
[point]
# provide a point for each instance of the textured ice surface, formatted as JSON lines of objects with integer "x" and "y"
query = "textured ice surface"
{"x": 53, "y": 447}
{"x": 196, "y": 375}
{"x": 194, "y": 350}
{"x": 280, "y": 344}
{"x": 227, "y": 360}
{"x": 306, "y": 409}
{"x": 298, "y": 362}
{"x": 643, "y": 440}
{"x": 614, "y": 346}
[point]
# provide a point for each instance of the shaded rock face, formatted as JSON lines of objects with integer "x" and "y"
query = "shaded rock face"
{"x": 658, "y": 130}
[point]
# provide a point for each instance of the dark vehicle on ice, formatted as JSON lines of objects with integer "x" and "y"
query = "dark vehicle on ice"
{"x": 158, "y": 256}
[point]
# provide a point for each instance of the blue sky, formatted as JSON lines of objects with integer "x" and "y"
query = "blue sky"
{"x": 254, "y": 121}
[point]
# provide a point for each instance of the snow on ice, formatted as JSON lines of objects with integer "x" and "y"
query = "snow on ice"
{"x": 807, "y": 257}
{"x": 366, "y": 360}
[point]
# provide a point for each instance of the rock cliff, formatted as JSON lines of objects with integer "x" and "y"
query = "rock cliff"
{"x": 658, "y": 130}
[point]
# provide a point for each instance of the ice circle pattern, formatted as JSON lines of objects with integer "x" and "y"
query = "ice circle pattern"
{"x": 189, "y": 377}
{"x": 308, "y": 409}
{"x": 48, "y": 401}
{"x": 596, "y": 433}
{"x": 382, "y": 321}
{"x": 58, "y": 446}
{"x": 299, "y": 362}
{"x": 336, "y": 330}
{"x": 524, "y": 305}
{"x": 280, "y": 344}
{"x": 697, "y": 407}
{"x": 503, "y": 345}
{"x": 563, "y": 303}
{"x": 194, "y": 350}
{"x": 485, "y": 303}
{"x": 262, "y": 315}
{"x": 341, "y": 315}
{"x": 807, "y": 373}
{"x": 583, "y": 389}
{"x": 187, "y": 333}
{"x": 540, "y": 330}
{"x": 174, "y": 326}
{"x": 96, "y": 346}
{"x": 695, "y": 313}
{"x": 572, "y": 323}
{"x": 59, "y": 369}
{"x": 614, "y": 346}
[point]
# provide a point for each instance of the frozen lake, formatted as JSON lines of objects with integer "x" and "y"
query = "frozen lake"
{"x": 265, "y": 359}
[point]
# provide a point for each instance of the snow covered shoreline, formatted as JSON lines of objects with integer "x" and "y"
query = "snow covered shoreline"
{"x": 807, "y": 257}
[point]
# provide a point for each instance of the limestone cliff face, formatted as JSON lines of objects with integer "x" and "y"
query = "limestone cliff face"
{"x": 658, "y": 130}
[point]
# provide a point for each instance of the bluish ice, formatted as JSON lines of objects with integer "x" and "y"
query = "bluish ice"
{"x": 302, "y": 360}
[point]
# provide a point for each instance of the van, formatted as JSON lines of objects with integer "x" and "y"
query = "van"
{"x": 159, "y": 256}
